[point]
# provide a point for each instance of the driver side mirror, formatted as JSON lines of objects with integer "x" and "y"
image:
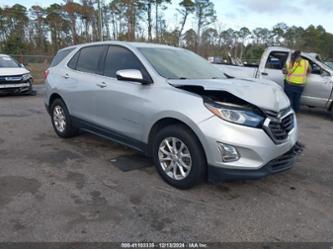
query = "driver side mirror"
{"x": 22, "y": 65}
{"x": 130, "y": 75}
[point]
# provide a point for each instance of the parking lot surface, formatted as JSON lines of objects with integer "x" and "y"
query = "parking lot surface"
{"x": 90, "y": 189}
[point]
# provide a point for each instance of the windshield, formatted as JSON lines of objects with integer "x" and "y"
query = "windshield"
{"x": 6, "y": 61}
{"x": 173, "y": 63}
{"x": 329, "y": 63}
{"x": 324, "y": 64}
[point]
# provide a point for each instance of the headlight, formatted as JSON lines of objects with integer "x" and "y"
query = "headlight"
{"x": 235, "y": 115}
{"x": 26, "y": 76}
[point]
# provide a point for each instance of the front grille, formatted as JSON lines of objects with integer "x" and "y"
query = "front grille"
{"x": 273, "y": 114}
{"x": 17, "y": 79}
{"x": 281, "y": 128}
{"x": 280, "y": 125}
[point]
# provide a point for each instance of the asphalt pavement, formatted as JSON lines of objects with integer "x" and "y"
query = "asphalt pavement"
{"x": 90, "y": 189}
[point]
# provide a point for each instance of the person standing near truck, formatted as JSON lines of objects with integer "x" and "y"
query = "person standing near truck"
{"x": 296, "y": 72}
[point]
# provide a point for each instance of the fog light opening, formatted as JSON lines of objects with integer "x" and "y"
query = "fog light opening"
{"x": 229, "y": 153}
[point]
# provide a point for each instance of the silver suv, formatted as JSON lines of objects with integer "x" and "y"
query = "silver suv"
{"x": 174, "y": 106}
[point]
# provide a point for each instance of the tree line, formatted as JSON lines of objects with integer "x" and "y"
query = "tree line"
{"x": 43, "y": 31}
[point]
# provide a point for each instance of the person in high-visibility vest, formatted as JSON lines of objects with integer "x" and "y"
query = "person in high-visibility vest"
{"x": 296, "y": 72}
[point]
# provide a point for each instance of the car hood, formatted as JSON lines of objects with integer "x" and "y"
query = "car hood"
{"x": 264, "y": 94}
{"x": 8, "y": 71}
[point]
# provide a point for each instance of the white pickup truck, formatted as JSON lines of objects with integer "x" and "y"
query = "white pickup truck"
{"x": 318, "y": 91}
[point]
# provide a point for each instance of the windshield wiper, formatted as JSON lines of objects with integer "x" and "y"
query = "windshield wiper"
{"x": 178, "y": 78}
{"x": 228, "y": 76}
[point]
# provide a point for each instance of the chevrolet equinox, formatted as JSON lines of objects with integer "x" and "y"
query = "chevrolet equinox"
{"x": 174, "y": 106}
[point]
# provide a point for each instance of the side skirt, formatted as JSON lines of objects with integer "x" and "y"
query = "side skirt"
{"x": 110, "y": 134}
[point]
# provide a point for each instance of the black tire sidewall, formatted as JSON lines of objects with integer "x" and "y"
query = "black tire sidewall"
{"x": 69, "y": 130}
{"x": 198, "y": 169}
{"x": 31, "y": 91}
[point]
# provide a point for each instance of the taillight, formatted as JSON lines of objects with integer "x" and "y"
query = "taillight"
{"x": 46, "y": 73}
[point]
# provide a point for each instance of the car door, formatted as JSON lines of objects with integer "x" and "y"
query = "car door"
{"x": 83, "y": 69}
{"x": 318, "y": 86}
{"x": 273, "y": 67}
{"x": 122, "y": 106}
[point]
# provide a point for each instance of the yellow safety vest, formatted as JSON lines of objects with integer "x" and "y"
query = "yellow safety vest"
{"x": 297, "y": 74}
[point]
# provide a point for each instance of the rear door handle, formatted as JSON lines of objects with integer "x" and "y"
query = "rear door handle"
{"x": 102, "y": 84}
{"x": 264, "y": 73}
{"x": 66, "y": 76}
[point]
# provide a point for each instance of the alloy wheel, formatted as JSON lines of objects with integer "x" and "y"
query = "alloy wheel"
{"x": 175, "y": 158}
{"x": 59, "y": 118}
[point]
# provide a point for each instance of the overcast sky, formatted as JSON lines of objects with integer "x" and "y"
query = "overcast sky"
{"x": 250, "y": 13}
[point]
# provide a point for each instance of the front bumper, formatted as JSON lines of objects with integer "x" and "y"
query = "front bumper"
{"x": 279, "y": 164}
{"x": 16, "y": 88}
{"x": 255, "y": 147}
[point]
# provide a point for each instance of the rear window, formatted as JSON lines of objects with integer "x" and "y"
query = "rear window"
{"x": 60, "y": 56}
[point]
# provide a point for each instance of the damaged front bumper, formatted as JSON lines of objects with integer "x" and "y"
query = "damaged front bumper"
{"x": 18, "y": 88}
{"x": 277, "y": 165}
{"x": 258, "y": 154}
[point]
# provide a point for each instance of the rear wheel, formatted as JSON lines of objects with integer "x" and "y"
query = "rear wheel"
{"x": 178, "y": 157}
{"x": 61, "y": 120}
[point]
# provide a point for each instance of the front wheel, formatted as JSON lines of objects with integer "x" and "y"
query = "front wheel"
{"x": 61, "y": 120}
{"x": 178, "y": 157}
{"x": 30, "y": 91}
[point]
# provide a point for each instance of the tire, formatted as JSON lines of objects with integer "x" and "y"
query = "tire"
{"x": 30, "y": 87}
{"x": 195, "y": 169}
{"x": 30, "y": 91}
{"x": 59, "y": 114}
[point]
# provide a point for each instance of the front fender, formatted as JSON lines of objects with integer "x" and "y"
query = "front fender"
{"x": 193, "y": 124}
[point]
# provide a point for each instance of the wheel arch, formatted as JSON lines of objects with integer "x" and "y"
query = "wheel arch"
{"x": 330, "y": 107}
{"x": 167, "y": 121}
{"x": 52, "y": 98}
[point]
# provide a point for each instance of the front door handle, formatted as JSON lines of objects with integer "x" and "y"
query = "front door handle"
{"x": 102, "y": 84}
{"x": 66, "y": 76}
{"x": 264, "y": 73}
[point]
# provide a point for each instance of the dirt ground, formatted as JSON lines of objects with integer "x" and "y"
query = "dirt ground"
{"x": 90, "y": 189}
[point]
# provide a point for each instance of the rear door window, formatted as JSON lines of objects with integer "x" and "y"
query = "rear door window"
{"x": 72, "y": 63}
{"x": 119, "y": 58}
{"x": 60, "y": 56}
{"x": 276, "y": 60}
{"x": 90, "y": 59}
